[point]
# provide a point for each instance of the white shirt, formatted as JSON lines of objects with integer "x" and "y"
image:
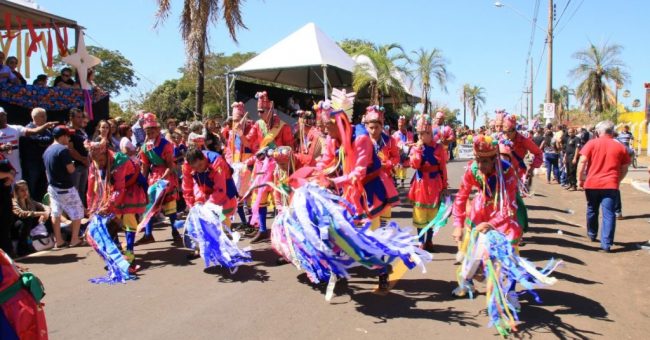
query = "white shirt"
{"x": 11, "y": 135}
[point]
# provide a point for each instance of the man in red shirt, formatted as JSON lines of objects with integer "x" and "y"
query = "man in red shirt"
{"x": 605, "y": 161}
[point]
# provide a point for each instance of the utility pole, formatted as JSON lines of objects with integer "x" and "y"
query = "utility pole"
{"x": 549, "y": 75}
{"x": 532, "y": 108}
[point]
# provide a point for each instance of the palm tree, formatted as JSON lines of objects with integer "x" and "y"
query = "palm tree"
{"x": 561, "y": 100}
{"x": 475, "y": 99}
{"x": 598, "y": 66}
{"x": 195, "y": 17}
{"x": 464, "y": 98}
{"x": 381, "y": 75}
{"x": 430, "y": 65}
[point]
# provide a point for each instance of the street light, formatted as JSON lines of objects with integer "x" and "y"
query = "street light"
{"x": 500, "y": 4}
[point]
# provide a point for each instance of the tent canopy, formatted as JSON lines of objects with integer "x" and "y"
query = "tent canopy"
{"x": 298, "y": 60}
{"x": 28, "y": 10}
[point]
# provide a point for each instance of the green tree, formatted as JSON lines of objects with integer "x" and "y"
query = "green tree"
{"x": 430, "y": 66}
{"x": 113, "y": 74}
{"x": 381, "y": 75}
{"x": 195, "y": 18}
{"x": 598, "y": 66}
{"x": 475, "y": 100}
{"x": 175, "y": 98}
{"x": 355, "y": 46}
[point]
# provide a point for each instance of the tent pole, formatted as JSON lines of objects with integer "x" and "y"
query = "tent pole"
{"x": 227, "y": 95}
{"x": 325, "y": 80}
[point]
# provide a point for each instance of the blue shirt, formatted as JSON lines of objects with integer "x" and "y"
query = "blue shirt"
{"x": 56, "y": 159}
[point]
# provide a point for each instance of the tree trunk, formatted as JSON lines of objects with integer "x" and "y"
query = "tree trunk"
{"x": 464, "y": 113}
{"x": 375, "y": 95}
{"x": 200, "y": 80}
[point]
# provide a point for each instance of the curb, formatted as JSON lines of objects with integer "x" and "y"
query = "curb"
{"x": 641, "y": 186}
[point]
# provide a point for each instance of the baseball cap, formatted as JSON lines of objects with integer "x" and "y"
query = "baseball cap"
{"x": 62, "y": 130}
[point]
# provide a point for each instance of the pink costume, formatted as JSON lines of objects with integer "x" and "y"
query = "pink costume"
{"x": 21, "y": 315}
{"x": 495, "y": 201}
{"x": 521, "y": 145}
{"x": 403, "y": 139}
{"x": 366, "y": 186}
{"x": 158, "y": 157}
{"x": 430, "y": 178}
{"x": 127, "y": 194}
{"x": 214, "y": 185}
{"x": 263, "y": 171}
{"x": 274, "y": 133}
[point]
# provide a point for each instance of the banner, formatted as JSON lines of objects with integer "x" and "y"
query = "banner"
{"x": 465, "y": 151}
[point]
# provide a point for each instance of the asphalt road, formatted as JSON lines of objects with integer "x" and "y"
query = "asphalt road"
{"x": 598, "y": 295}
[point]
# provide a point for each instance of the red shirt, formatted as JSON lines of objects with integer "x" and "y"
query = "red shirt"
{"x": 605, "y": 156}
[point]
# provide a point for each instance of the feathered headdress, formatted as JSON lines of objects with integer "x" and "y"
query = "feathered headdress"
{"x": 485, "y": 146}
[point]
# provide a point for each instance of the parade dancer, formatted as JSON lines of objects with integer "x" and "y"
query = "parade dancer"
{"x": 270, "y": 130}
{"x": 241, "y": 145}
{"x": 385, "y": 147}
{"x": 311, "y": 140}
{"x": 491, "y": 237}
{"x": 354, "y": 169}
{"x": 519, "y": 146}
{"x": 207, "y": 177}
{"x": 263, "y": 170}
{"x": 21, "y": 312}
{"x": 429, "y": 184}
{"x": 271, "y": 133}
{"x": 117, "y": 187}
{"x": 447, "y": 135}
{"x": 494, "y": 206}
{"x": 405, "y": 141}
{"x": 157, "y": 156}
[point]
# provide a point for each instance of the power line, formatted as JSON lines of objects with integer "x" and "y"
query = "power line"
{"x": 561, "y": 14}
{"x": 134, "y": 69}
{"x": 531, "y": 41}
{"x": 571, "y": 17}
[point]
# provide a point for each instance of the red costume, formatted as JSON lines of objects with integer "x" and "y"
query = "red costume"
{"x": 273, "y": 133}
{"x": 521, "y": 145}
{"x": 127, "y": 194}
{"x": 360, "y": 174}
{"x": 495, "y": 201}
{"x": 22, "y": 315}
{"x": 242, "y": 139}
{"x": 214, "y": 185}
{"x": 430, "y": 164}
{"x": 158, "y": 156}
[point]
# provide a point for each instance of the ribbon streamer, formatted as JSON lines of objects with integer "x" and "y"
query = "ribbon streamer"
{"x": 99, "y": 238}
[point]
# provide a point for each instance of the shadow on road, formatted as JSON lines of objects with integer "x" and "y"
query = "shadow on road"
{"x": 633, "y": 217}
{"x": 171, "y": 256}
{"x": 395, "y": 306}
{"x": 560, "y": 242}
{"x": 546, "y": 230}
{"x": 244, "y": 273}
{"x": 552, "y": 221}
{"x": 54, "y": 258}
{"x": 538, "y": 321}
{"x": 568, "y": 277}
{"x": 543, "y": 208}
{"x": 541, "y": 255}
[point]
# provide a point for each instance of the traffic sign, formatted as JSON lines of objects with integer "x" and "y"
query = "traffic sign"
{"x": 549, "y": 110}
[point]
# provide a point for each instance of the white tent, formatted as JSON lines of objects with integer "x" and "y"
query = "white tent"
{"x": 307, "y": 59}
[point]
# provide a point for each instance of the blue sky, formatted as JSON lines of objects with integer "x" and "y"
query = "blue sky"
{"x": 485, "y": 45}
